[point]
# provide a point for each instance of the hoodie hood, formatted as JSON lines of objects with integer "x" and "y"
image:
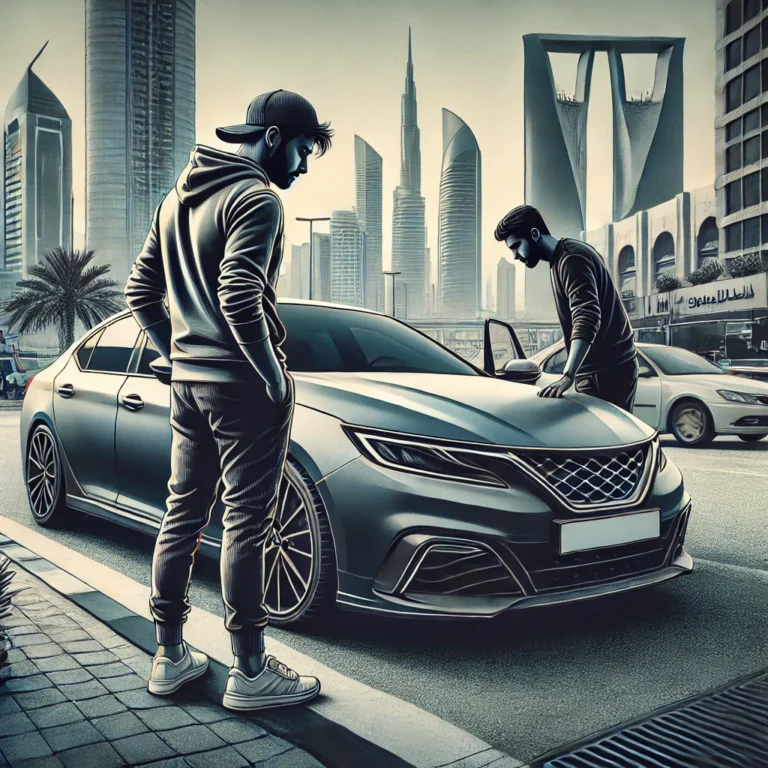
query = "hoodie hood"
{"x": 210, "y": 170}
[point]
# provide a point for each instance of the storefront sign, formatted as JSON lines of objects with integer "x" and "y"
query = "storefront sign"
{"x": 722, "y": 296}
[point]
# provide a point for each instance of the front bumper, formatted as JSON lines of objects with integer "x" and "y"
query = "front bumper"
{"x": 399, "y": 536}
{"x": 739, "y": 418}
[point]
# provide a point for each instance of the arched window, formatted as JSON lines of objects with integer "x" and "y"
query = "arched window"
{"x": 707, "y": 242}
{"x": 663, "y": 255}
{"x": 627, "y": 273}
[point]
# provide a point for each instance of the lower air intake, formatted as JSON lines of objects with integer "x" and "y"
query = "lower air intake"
{"x": 461, "y": 571}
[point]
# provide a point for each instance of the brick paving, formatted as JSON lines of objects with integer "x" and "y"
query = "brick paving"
{"x": 75, "y": 695}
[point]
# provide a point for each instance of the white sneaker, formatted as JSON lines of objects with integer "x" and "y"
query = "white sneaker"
{"x": 274, "y": 686}
{"x": 168, "y": 676}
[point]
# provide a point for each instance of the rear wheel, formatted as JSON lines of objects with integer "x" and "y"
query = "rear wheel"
{"x": 753, "y": 438}
{"x": 299, "y": 559}
{"x": 45, "y": 478}
{"x": 691, "y": 424}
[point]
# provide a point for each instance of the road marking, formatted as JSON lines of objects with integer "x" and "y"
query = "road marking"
{"x": 418, "y": 737}
{"x": 723, "y": 471}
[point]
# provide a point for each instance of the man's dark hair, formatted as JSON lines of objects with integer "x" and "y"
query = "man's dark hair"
{"x": 321, "y": 134}
{"x": 520, "y": 221}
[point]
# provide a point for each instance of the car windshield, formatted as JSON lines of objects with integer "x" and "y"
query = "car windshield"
{"x": 326, "y": 339}
{"x": 675, "y": 361}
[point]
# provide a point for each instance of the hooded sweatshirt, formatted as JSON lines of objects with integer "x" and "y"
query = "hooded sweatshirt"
{"x": 213, "y": 256}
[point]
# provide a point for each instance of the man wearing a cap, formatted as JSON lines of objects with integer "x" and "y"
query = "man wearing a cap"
{"x": 203, "y": 290}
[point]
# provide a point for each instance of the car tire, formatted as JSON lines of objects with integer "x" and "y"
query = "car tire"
{"x": 46, "y": 489}
{"x": 308, "y": 580}
{"x": 753, "y": 438}
{"x": 691, "y": 424}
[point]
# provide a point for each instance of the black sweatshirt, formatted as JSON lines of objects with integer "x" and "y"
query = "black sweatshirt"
{"x": 213, "y": 253}
{"x": 589, "y": 307}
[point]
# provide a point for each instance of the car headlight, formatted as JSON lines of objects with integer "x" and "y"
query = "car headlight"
{"x": 420, "y": 456}
{"x": 738, "y": 397}
{"x": 662, "y": 460}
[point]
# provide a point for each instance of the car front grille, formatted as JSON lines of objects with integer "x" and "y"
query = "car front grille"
{"x": 461, "y": 571}
{"x": 589, "y": 479}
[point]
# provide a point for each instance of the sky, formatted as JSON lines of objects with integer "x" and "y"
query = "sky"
{"x": 348, "y": 57}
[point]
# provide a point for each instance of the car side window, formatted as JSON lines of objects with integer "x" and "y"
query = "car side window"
{"x": 556, "y": 363}
{"x": 148, "y": 354}
{"x": 114, "y": 347}
{"x": 86, "y": 349}
{"x": 644, "y": 371}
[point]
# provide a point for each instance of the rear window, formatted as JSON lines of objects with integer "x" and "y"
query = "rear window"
{"x": 114, "y": 347}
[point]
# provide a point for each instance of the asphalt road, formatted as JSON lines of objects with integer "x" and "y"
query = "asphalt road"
{"x": 533, "y": 680}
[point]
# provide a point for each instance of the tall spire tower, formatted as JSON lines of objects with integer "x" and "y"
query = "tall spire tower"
{"x": 408, "y": 232}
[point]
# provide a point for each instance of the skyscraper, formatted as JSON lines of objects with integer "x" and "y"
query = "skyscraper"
{"x": 321, "y": 266}
{"x": 140, "y": 117}
{"x": 38, "y": 174}
{"x": 408, "y": 241}
{"x": 346, "y": 259}
{"x": 505, "y": 290}
{"x": 458, "y": 237}
{"x": 368, "y": 168}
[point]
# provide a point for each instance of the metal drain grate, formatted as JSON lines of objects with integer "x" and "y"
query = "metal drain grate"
{"x": 727, "y": 728}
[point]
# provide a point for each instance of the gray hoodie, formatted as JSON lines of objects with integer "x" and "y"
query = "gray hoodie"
{"x": 213, "y": 256}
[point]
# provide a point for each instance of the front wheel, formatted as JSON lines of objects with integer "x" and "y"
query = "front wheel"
{"x": 45, "y": 478}
{"x": 691, "y": 424}
{"x": 299, "y": 558}
{"x": 753, "y": 438}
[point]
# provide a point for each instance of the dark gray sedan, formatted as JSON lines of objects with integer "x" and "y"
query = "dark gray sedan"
{"x": 416, "y": 483}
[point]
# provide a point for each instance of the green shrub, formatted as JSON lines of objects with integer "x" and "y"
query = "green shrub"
{"x": 706, "y": 273}
{"x": 6, "y": 593}
{"x": 665, "y": 283}
{"x": 747, "y": 264}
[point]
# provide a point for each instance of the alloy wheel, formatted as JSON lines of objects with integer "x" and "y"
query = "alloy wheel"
{"x": 289, "y": 554}
{"x": 690, "y": 424}
{"x": 42, "y": 479}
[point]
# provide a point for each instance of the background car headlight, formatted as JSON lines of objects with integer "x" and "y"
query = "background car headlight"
{"x": 421, "y": 457}
{"x": 738, "y": 397}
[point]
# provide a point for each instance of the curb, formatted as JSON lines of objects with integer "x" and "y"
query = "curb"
{"x": 352, "y": 725}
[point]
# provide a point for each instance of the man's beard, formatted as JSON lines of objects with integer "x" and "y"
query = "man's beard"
{"x": 278, "y": 171}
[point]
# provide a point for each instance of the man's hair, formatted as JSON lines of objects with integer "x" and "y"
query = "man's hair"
{"x": 520, "y": 221}
{"x": 321, "y": 135}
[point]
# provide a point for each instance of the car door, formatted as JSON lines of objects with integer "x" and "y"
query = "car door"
{"x": 85, "y": 406}
{"x": 143, "y": 436}
{"x": 647, "y": 406}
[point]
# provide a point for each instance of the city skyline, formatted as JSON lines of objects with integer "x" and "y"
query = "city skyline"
{"x": 140, "y": 118}
{"x": 451, "y": 63}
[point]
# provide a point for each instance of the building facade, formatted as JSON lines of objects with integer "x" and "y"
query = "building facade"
{"x": 741, "y": 126}
{"x": 505, "y": 289}
{"x": 408, "y": 214}
{"x": 647, "y": 137}
{"x": 321, "y": 266}
{"x": 459, "y": 240}
{"x": 368, "y": 206}
{"x": 140, "y": 118}
{"x": 346, "y": 270}
{"x": 37, "y": 189}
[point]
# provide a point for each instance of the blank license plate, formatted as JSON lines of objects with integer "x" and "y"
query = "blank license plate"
{"x": 582, "y": 535}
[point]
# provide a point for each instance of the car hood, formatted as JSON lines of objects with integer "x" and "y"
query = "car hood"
{"x": 717, "y": 381}
{"x": 469, "y": 408}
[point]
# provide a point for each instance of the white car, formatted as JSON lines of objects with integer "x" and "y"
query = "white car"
{"x": 682, "y": 393}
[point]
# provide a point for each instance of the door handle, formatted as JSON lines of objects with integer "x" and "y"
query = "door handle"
{"x": 132, "y": 402}
{"x": 65, "y": 390}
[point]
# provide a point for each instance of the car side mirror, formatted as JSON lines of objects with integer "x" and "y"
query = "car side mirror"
{"x": 162, "y": 370}
{"x": 521, "y": 371}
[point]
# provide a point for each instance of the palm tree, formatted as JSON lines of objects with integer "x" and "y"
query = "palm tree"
{"x": 63, "y": 287}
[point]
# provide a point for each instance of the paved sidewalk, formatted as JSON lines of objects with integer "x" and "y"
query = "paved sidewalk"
{"x": 75, "y": 695}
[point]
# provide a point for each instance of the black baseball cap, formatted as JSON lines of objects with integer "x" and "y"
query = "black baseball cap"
{"x": 284, "y": 109}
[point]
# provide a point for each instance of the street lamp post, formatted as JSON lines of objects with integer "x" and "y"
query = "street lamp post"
{"x": 394, "y": 298}
{"x": 311, "y": 220}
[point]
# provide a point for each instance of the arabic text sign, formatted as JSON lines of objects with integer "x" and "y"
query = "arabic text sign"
{"x": 722, "y": 296}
